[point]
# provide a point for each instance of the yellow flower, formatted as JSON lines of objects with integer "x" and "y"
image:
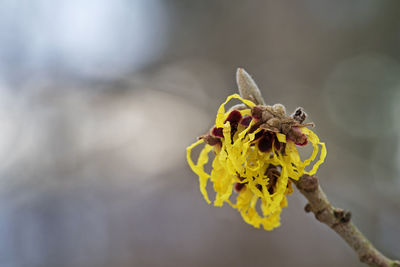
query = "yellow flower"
{"x": 256, "y": 156}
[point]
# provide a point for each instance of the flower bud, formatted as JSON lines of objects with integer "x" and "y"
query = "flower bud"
{"x": 279, "y": 109}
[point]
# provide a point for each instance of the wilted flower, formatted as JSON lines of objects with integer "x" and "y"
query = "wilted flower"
{"x": 256, "y": 156}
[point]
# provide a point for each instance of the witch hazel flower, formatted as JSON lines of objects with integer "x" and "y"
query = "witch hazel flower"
{"x": 255, "y": 158}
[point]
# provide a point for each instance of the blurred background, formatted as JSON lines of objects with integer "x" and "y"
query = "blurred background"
{"x": 99, "y": 99}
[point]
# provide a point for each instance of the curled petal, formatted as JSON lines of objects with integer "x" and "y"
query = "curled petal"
{"x": 221, "y": 111}
{"x": 199, "y": 167}
{"x": 315, "y": 142}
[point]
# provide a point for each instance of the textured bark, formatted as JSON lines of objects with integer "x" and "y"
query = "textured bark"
{"x": 340, "y": 221}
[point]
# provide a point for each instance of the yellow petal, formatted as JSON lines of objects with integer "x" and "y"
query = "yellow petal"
{"x": 221, "y": 111}
{"x": 281, "y": 137}
{"x": 313, "y": 138}
{"x": 199, "y": 167}
{"x": 189, "y": 151}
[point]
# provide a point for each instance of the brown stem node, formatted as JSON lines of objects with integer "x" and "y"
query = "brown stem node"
{"x": 308, "y": 183}
{"x": 307, "y": 208}
{"x": 340, "y": 221}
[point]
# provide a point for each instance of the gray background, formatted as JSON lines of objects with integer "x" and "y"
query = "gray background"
{"x": 100, "y": 98}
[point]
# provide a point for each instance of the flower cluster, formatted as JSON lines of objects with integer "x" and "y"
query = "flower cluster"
{"x": 255, "y": 155}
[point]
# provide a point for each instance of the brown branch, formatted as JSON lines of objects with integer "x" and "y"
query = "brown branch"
{"x": 340, "y": 221}
{"x": 337, "y": 219}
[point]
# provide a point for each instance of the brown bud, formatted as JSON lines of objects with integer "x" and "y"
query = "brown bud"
{"x": 299, "y": 115}
{"x": 279, "y": 110}
{"x": 346, "y": 217}
{"x": 274, "y": 122}
{"x": 308, "y": 207}
{"x": 338, "y": 213}
{"x": 266, "y": 115}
